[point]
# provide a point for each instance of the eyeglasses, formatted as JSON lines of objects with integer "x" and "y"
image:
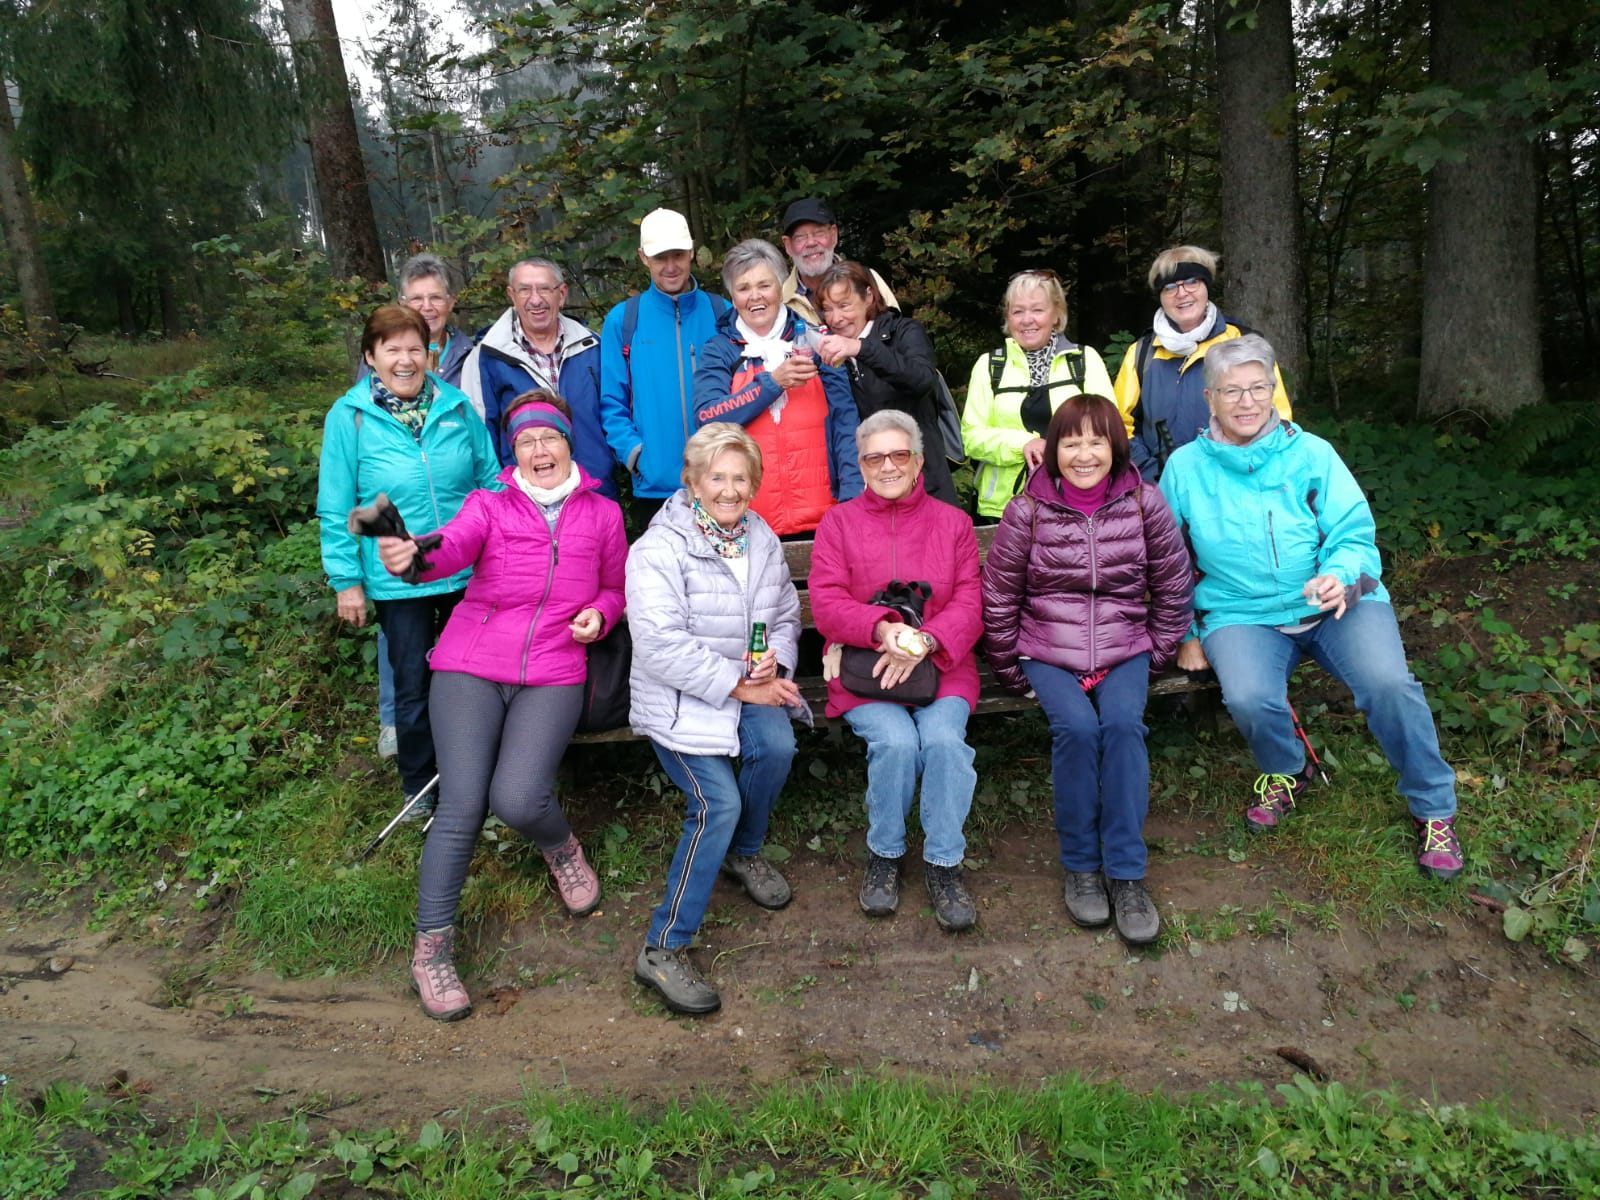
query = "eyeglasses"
{"x": 430, "y": 298}
{"x": 544, "y": 440}
{"x": 876, "y": 459}
{"x": 1185, "y": 285}
{"x": 523, "y": 290}
{"x": 1259, "y": 392}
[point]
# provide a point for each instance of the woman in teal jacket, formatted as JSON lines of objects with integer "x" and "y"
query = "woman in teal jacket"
{"x": 1288, "y": 568}
{"x": 409, "y": 434}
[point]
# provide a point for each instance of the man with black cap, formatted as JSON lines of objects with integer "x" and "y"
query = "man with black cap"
{"x": 810, "y": 239}
{"x": 648, "y": 350}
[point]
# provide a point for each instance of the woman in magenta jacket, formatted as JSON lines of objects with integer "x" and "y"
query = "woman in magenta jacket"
{"x": 547, "y": 555}
{"x": 1085, "y": 594}
{"x": 895, "y": 531}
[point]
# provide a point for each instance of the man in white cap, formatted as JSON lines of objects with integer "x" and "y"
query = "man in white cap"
{"x": 649, "y": 347}
{"x": 811, "y": 240}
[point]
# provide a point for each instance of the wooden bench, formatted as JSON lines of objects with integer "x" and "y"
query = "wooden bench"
{"x": 991, "y": 699}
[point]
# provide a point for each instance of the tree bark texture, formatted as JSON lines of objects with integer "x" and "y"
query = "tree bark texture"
{"x": 1480, "y": 295}
{"x": 22, "y": 237}
{"x": 1264, "y": 263}
{"x": 341, "y": 173}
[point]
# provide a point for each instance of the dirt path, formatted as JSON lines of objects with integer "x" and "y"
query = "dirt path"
{"x": 1446, "y": 1011}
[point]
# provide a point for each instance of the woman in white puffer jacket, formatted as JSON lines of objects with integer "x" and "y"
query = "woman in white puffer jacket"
{"x": 703, "y": 574}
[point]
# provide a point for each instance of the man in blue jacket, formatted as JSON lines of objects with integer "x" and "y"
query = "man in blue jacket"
{"x": 533, "y": 346}
{"x": 649, "y": 348}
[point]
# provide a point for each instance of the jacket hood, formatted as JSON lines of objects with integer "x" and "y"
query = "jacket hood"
{"x": 1042, "y": 488}
{"x": 1245, "y": 460}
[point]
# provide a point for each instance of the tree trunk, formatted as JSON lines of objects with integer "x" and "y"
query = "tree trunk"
{"x": 335, "y": 148}
{"x": 22, "y": 237}
{"x": 1265, "y": 264}
{"x": 1480, "y": 295}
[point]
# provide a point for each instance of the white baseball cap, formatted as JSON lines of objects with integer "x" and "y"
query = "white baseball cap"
{"x": 663, "y": 230}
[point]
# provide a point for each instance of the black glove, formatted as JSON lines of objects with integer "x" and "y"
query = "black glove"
{"x": 382, "y": 519}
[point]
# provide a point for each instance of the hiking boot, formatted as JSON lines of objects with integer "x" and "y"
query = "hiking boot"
{"x": 422, "y": 810}
{"x": 1087, "y": 903}
{"x": 1275, "y": 799}
{"x": 952, "y": 903}
{"x": 761, "y": 880}
{"x": 388, "y": 742}
{"x": 575, "y": 878}
{"x": 1438, "y": 849}
{"x": 434, "y": 978}
{"x": 880, "y": 890}
{"x": 676, "y": 981}
{"x": 1138, "y": 923}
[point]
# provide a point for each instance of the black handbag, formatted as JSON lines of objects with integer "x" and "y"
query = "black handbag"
{"x": 856, "y": 662}
{"x": 605, "y": 686}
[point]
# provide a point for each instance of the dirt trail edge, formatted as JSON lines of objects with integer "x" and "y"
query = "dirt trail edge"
{"x": 1446, "y": 1011}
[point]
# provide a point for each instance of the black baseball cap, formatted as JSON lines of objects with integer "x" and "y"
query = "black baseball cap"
{"x": 809, "y": 209}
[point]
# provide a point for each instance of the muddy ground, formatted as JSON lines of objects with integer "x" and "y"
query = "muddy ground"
{"x": 1447, "y": 1011}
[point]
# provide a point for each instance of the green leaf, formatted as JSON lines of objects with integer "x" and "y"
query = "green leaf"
{"x": 1517, "y": 923}
{"x": 431, "y": 1137}
{"x": 1267, "y": 1163}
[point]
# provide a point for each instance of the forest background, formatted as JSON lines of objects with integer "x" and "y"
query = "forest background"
{"x": 203, "y": 199}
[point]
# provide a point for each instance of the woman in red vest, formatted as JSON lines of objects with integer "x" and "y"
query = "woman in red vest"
{"x": 760, "y": 371}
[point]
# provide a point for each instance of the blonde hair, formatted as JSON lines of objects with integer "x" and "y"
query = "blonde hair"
{"x": 1044, "y": 281}
{"x": 700, "y": 451}
{"x": 1167, "y": 261}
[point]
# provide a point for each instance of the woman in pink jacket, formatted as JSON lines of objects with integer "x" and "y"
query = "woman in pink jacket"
{"x": 547, "y": 555}
{"x": 895, "y": 531}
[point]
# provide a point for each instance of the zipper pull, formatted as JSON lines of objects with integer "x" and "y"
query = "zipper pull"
{"x": 555, "y": 553}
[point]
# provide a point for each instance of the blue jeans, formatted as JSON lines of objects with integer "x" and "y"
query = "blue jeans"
{"x": 1098, "y": 765}
{"x": 412, "y": 626}
{"x": 385, "y": 682}
{"x": 1361, "y": 650}
{"x": 903, "y": 743}
{"x": 726, "y": 815}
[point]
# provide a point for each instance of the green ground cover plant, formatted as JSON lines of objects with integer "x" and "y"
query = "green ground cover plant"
{"x": 838, "y": 1138}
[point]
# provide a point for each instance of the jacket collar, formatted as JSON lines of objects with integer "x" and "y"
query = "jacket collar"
{"x": 911, "y": 502}
{"x": 1059, "y": 345}
{"x": 586, "y": 481}
{"x": 502, "y": 336}
{"x": 1043, "y": 489}
{"x": 1246, "y": 459}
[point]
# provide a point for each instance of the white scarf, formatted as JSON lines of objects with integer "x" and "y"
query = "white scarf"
{"x": 1183, "y": 344}
{"x": 771, "y": 350}
{"x": 548, "y": 496}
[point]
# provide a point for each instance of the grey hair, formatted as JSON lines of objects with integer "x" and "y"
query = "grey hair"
{"x": 747, "y": 255}
{"x": 883, "y": 421}
{"x": 1236, "y": 352}
{"x": 428, "y": 266}
{"x": 561, "y": 276}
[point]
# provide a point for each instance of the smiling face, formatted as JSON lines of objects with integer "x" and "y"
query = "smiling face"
{"x": 1242, "y": 402}
{"x": 756, "y": 296}
{"x": 537, "y": 296}
{"x": 1031, "y": 319}
{"x": 845, "y": 310}
{"x": 543, "y": 456}
{"x": 810, "y": 247}
{"x": 888, "y": 465}
{"x": 1185, "y": 303}
{"x": 725, "y": 489}
{"x": 669, "y": 271}
{"x": 1084, "y": 457}
{"x": 401, "y": 363}
{"x": 429, "y": 295}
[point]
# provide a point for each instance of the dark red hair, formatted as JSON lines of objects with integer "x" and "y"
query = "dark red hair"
{"x": 1099, "y": 416}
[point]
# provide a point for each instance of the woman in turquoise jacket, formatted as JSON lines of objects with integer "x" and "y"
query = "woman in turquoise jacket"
{"x": 1288, "y": 568}
{"x": 409, "y": 434}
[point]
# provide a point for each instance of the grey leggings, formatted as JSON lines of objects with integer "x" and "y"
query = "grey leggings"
{"x": 498, "y": 747}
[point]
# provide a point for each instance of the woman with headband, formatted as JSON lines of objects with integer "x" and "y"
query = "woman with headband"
{"x": 547, "y": 555}
{"x": 1160, "y": 389}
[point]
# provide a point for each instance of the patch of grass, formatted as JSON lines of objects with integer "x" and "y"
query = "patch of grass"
{"x": 305, "y": 917}
{"x": 866, "y": 1138}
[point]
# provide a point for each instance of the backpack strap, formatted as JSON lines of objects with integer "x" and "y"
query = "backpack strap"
{"x": 997, "y": 368}
{"x": 630, "y": 325}
{"x": 997, "y": 365}
{"x": 1143, "y": 348}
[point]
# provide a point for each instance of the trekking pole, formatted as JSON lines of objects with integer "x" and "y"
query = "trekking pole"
{"x": 1301, "y": 731}
{"x": 398, "y": 818}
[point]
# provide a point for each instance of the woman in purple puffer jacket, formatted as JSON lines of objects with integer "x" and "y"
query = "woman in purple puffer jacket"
{"x": 1086, "y": 592}
{"x": 547, "y": 557}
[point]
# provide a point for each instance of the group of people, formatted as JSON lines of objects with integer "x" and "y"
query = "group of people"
{"x": 1174, "y": 517}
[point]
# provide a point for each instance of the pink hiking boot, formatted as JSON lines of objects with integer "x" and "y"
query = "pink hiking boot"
{"x": 434, "y": 978}
{"x": 1438, "y": 848}
{"x": 575, "y": 878}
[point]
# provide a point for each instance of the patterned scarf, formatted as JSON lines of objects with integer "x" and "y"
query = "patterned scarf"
{"x": 1039, "y": 363}
{"x": 728, "y": 543}
{"x": 413, "y": 413}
